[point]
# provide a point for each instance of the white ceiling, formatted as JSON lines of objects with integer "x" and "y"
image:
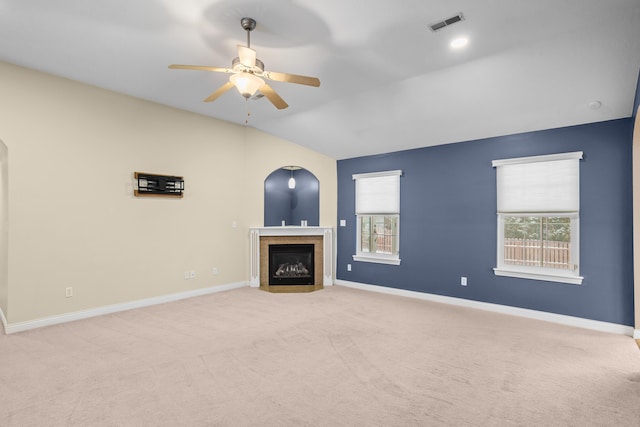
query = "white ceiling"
{"x": 387, "y": 82}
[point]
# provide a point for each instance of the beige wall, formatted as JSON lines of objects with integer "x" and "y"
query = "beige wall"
{"x": 74, "y": 221}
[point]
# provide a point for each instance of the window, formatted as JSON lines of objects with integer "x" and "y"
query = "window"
{"x": 538, "y": 208}
{"x": 378, "y": 217}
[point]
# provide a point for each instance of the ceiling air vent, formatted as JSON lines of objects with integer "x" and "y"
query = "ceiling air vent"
{"x": 445, "y": 23}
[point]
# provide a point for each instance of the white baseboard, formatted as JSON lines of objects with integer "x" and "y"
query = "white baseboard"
{"x": 497, "y": 308}
{"x": 522, "y": 312}
{"x": 99, "y": 311}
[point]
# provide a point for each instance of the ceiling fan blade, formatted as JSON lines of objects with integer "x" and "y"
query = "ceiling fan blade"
{"x": 292, "y": 78}
{"x": 272, "y": 96}
{"x": 222, "y": 89}
{"x": 201, "y": 68}
{"x": 247, "y": 56}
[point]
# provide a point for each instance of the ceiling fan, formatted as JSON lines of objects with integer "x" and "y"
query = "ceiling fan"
{"x": 248, "y": 74}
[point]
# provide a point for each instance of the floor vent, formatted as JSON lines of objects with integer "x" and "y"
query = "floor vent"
{"x": 445, "y": 23}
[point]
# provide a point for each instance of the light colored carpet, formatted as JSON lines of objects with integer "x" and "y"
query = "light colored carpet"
{"x": 336, "y": 357}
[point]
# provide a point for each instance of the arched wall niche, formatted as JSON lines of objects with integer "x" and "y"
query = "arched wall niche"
{"x": 291, "y": 205}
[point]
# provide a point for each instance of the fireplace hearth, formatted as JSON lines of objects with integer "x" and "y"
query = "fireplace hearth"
{"x": 291, "y": 264}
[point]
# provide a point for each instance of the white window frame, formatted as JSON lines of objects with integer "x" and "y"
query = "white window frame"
{"x": 533, "y": 272}
{"x": 391, "y": 259}
{"x": 541, "y": 273}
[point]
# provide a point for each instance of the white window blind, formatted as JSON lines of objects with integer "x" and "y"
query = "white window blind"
{"x": 539, "y": 184}
{"x": 378, "y": 192}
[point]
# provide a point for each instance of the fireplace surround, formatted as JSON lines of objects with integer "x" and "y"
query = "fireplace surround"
{"x": 320, "y": 237}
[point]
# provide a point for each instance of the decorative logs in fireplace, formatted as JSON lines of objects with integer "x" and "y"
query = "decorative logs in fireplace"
{"x": 291, "y": 264}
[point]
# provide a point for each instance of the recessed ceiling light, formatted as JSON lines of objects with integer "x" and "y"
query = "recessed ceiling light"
{"x": 594, "y": 105}
{"x": 458, "y": 43}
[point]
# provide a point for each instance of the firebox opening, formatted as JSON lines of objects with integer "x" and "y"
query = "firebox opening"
{"x": 291, "y": 264}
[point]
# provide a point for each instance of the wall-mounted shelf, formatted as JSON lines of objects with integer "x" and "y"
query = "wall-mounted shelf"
{"x": 158, "y": 185}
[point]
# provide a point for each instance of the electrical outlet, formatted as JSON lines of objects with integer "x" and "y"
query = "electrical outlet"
{"x": 68, "y": 292}
{"x": 343, "y": 223}
{"x": 348, "y": 267}
{"x": 463, "y": 281}
{"x": 214, "y": 271}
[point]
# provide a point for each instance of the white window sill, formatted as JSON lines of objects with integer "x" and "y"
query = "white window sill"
{"x": 378, "y": 260}
{"x": 574, "y": 280}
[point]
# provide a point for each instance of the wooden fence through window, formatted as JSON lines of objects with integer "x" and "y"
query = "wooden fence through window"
{"x": 383, "y": 243}
{"x": 538, "y": 253}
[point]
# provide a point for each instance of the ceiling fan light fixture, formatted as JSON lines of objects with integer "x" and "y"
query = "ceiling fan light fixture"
{"x": 246, "y": 83}
{"x": 248, "y": 74}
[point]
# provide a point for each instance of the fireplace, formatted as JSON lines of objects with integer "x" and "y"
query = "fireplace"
{"x": 291, "y": 264}
{"x": 319, "y": 238}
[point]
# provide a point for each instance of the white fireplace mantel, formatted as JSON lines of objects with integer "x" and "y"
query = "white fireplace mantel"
{"x": 327, "y": 242}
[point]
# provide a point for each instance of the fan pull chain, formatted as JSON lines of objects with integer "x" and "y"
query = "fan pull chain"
{"x": 246, "y": 121}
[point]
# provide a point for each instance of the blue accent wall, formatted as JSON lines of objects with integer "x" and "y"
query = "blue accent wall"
{"x": 291, "y": 205}
{"x": 305, "y": 200}
{"x": 448, "y": 222}
{"x": 277, "y": 199}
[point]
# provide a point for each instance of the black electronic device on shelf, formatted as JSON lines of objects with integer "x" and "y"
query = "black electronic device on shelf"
{"x": 158, "y": 185}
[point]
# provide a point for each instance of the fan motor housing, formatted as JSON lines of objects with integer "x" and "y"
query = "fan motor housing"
{"x": 237, "y": 65}
{"x": 249, "y": 24}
